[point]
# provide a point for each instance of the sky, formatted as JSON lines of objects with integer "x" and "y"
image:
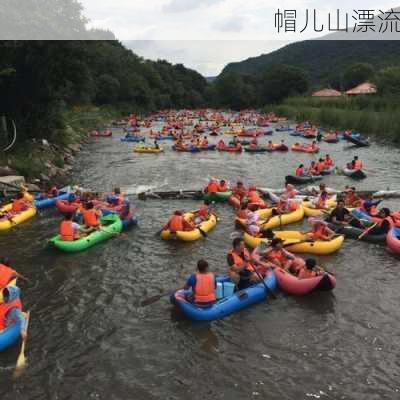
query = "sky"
{"x": 207, "y": 34}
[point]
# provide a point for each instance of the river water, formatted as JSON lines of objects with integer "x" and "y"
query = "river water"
{"x": 90, "y": 339}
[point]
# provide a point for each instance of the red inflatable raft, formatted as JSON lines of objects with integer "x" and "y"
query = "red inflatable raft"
{"x": 65, "y": 207}
{"x": 305, "y": 148}
{"x": 393, "y": 240}
{"x": 292, "y": 285}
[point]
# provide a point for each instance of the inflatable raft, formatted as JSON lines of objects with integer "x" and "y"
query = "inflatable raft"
{"x": 111, "y": 226}
{"x": 228, "y": 305}
{"x": 65, "y": 207}
{"x": 357, "y": 174}
{"x": 10, "y": 335}
{"x": 147, "y": 150}
{"x": 393, "y": 240}
{"x": 8, "y": 223}
{"x": 285, "y": 219}
{"x": 290, "y": 284}
{"x": 133, "y": 139}
{"x": 46, "y": 202}
{"x": 295, "y": 242}
{"x": 257, "y": 149}
{"x": 217, "y": 196}
{"x": 190, "y": 236}
{"x": 305, "y": 149}
{"x": 351, "y": 232}
{"x": 302, "y": 180}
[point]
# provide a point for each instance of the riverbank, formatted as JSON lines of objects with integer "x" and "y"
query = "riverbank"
{"x": 44, "y": 160}
{"x": 369, "y": 115}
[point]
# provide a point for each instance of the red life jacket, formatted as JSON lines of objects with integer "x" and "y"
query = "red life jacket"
{"x": 222, "y": 188}
{"x": 6, "y": 275}
{"x": 299, "y": 171}
{"x": 18, "y": 205}
{"x": 176, "y": 223}
{"x": 66, "y": 231}
{"x": 321, "y": 166}
{"x": 328, "y": 162}
{"x": 5, "y": 308}
{"x": 204, "y": 291}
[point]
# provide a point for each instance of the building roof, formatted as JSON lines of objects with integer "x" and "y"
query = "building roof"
{"x": 327, "y": 93}
{"x": 363, "y": 88}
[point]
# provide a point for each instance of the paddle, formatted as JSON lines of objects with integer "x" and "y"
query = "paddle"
{"x": 21, "y": 361}
{"x": 154, "y": 299}
{"x": 368, "y": 230}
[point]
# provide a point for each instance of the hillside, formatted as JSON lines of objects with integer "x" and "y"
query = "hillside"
{"x": 322, "y": 58}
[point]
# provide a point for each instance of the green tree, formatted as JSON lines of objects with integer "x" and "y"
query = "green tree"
{"x": 282, "y": 81}
{"x": 108, "y": 89}
{"x": 356, "y": 74}
{"x": 388, "y": 81}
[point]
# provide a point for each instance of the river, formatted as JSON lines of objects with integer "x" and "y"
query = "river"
{"x": 89, "y": 337}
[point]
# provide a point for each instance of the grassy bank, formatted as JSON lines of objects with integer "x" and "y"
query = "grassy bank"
{"x": 30, "y": 158}
{"x": 369, "y": 115}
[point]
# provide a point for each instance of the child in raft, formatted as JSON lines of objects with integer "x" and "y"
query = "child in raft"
{"x": 320, "y": 230}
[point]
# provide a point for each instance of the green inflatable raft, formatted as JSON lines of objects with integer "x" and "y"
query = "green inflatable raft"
{"x": 111, "y": 225}
{"x": 217, "y": 196}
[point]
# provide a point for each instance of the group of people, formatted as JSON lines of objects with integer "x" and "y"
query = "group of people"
{"x": 315, "y": 168}
{"x": 89, "y": 215}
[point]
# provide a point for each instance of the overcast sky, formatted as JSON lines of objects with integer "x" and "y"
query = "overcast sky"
{"x": 208, "y": 34}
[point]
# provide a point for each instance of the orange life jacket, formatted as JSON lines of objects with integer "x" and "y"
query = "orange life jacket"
{"x": 239, "y": 261}
{"x": 203, "y": 211}
{"x": 176, "y": 223}
{"x": 90, "y": 217}
{"x": 305, "y": 273}
{"x": 5, "y": 308}
{"x": 242, "y": 214}
{"x": 373, "y": 211}
{"x": 358, "y": 164}
{"x": 18, "y": 205}
{"x": 351, "y": 199}
{"x": 321, "y": 166}
{"x": 212, "y": 187}
{"x": 6, "y": 275}
{"x": 321, "y": 203}
{"x": 255, "y": 198}
{"x": 66, "y": 231}
{"x": 204, "y": 291}
{"x": 222, "y": 188}
{"x": 299, "y": 171}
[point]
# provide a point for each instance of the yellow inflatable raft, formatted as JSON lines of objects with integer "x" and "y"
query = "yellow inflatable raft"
{"x": 8, "y": 223}
{"x": 284, "y": 219}
{"x": 310, "y": 211}
{"x": 295, "y": 242}
{"x": 149, "y": 150}
{"x": 190, "y": 236}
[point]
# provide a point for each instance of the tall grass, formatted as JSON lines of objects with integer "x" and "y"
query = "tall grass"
{"x": 372, "y": 115}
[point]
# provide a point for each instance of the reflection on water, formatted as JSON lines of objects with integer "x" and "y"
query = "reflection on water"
{"x": 90, "y": 339}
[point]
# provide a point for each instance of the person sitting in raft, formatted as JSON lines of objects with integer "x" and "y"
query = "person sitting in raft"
{"x": 310, "y": 270}
{"x": 277, "y": 255}
{"x": 254, "y": 143}
{"x": 155, "y": 144}
{"x": 314, "y": 145}
{"x": 221, "y": 144}
{"x": 270, "y": 145}
{"x": 203, "y": 285}
{"x": 243, "y": 211}
{"x": 254, "y": 199}
{"x": 290, "y": 191}
{"x": 313, "y": 169}
{"x": 351, "y": 198}
{"x": 239, "y": 190}
{"x": 19, "y": 204}
{"x": 234, "y": 140}
{"x": 320, "y": 202}
{"x": 328, "y": 161}
{"x": 212, "y": 186}
{"x": 179, "y": 223}
{"x": 204, "y": 142}
{"x": 223, "y": 186}
{"x": 300, "y": 171}
{"x": 320, "y": 231}
{"x": 69, "y": 230}
{"x": 385, "y": 224}
{"x": 202, "y": 214}
{"x": 11, "y": 310}
{"x": 284, "y": 206}
{"x": 91, "y": 217}
{"x": 241, "y": 268}
{"x": 370, "y": 206}
{"x": 356, "y": 163}
{"x": 321, "y": 166}
{"x": 7, "y": 274}
{"x": 341, "y": 216}
{"x": 252, "y": 227}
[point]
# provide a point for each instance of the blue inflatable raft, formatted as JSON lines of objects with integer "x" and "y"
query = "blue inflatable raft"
{"x": 10, "y": 336}
{"x": 225, "y": 306}
{"x": 46, "y": 202}
{"x": 133, "y": 139}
